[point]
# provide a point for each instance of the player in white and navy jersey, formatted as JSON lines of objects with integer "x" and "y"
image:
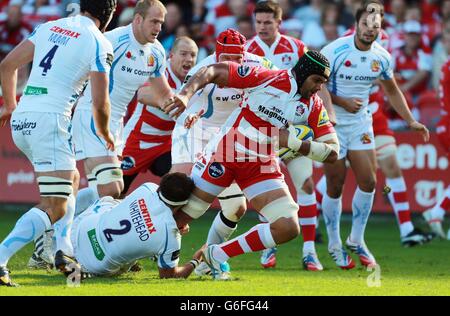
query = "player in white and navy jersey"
{"x": 386, "y": 153}
{"x": 148, "y": 132}
{"x": 111, "y": 234}
{"x": 243, "y": 150}
{"x": 139, "y": 58}
{"x": 216, "y": 104}
{"x": 284, "y": 51}
{"x": 357, "y": 61}
{"x": 65, "y": 53}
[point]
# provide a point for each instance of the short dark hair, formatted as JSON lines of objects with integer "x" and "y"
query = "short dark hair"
{"x": 365, "y": 7}
{"x": 176, "y": 187}
{"x": 269, "y": 6}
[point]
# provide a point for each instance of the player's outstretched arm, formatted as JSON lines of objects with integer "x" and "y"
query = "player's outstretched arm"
{"x": 399, "y": 104}
{"x": 185, "y": 270}
{"x": 101, "y": 106}
{"x": 215, "y": 73}
{"x": 18, "y": 57}
{"x": 156, "y": 92}
{"x": 324, "y": 149}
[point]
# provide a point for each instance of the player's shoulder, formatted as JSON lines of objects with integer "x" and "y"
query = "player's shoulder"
{"x": 119, "y": 35}
{"x": 379, "y": 50}
{"x": 152, "y": 187}
{"x": 296, "y": 41}
{"x": 211, "y": 59}
{"x": 339, "y": 45}
{"x": 254, "y": 60}
{"x": 158, "y": 49}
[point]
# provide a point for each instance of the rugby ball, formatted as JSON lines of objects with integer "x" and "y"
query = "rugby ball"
{"x": 304, "y": 132}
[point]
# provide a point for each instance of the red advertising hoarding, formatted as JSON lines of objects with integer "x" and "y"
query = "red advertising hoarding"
{"x": 425, "y": 167}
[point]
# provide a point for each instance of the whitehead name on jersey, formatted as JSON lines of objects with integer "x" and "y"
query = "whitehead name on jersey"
{"x": 141, "y": 226}
{"x": 65, "y": 52}
{"x": 133, "y": 65}
{"x": 354, "y": 72}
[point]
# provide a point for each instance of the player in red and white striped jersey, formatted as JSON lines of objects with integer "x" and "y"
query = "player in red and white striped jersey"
{"x": 284, "y": 52}
{"x": 148, "y": 132}
{"x": 435, "y": 216}
{"x": 243, "y": 150}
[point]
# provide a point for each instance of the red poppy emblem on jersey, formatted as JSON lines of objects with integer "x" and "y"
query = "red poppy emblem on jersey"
{"x": 129, "y": 55}
{"x": 348, "y": 63}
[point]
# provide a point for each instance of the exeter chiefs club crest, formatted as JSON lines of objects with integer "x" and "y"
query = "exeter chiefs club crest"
{"x": 365, "y": 139}
{"x": 375, "y": 66}
{"x": 151, "y": 61}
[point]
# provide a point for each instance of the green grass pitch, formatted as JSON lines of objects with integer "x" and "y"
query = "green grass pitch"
{"x": 415, "y": 271}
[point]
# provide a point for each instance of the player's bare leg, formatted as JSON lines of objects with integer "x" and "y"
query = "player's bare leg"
{"x": 363, "y": 163}
{"x": 332, "y": 208}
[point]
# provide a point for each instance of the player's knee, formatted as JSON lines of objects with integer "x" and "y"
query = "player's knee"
{"x": 54, "y": 193}
{"x": 368, "y": 185}
{"x": 385, "y": 147}
{"x": 109, "y": 179}
{"x": 233, "y": 208}
{"x": 285, "y": 229}
{"x": 284, "y": 207}
{"x": 334, "y": 186}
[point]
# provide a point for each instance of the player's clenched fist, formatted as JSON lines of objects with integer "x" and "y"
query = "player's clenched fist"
{"x": 178, "y": 102}
{"x": 418, "y": 127}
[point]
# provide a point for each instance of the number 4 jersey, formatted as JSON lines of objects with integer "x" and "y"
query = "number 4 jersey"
{"x": 109, "y": 238}
{"x": 65, "y": 52}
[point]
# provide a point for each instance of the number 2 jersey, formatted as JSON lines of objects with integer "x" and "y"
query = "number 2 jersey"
{"x": 140, "y": 226}
{"x": 65, "y": 52}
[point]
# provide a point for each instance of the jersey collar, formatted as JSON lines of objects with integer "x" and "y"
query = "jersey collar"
{"x": 175, "y": 79}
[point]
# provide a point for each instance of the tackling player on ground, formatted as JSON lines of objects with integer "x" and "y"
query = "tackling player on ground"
{"x": 357, "y": 62}
{"x": 111, "y": 235}
{"x": 41, "y": 124}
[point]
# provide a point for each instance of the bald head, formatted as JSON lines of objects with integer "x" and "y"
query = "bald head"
{"x": 183, "y": 56}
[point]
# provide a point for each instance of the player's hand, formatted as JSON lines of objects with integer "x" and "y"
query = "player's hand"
{"x": 177, "y": 103}
{"x": 198, "y": 254}
{"x": 109, "y": 139}
{"x": 193, "y": 118}
{"x": 353, "y": 105}
{"x": 184, "y": 229}
{"x": 5, "y": 115}
{"x": 422, "y": 129}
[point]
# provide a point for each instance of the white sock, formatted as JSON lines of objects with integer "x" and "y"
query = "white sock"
{"x": 63, "y": 228}
{"x": 400, "y": 204}
{"x": 219, "y": 231}
{"x": 85, "y": 198}
{"x": 361, "y": 206}
{"x": 30, "y": 226}
{"x": 442, "y": 206}
{"x": 331, "y": 210}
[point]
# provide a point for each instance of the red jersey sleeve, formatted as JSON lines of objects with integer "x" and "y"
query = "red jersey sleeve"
{"x": 445, "y": 88}
{"x": 243, "y": 77}
{"x": 301, "y": 47}
{"x": 318, "y": 119}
